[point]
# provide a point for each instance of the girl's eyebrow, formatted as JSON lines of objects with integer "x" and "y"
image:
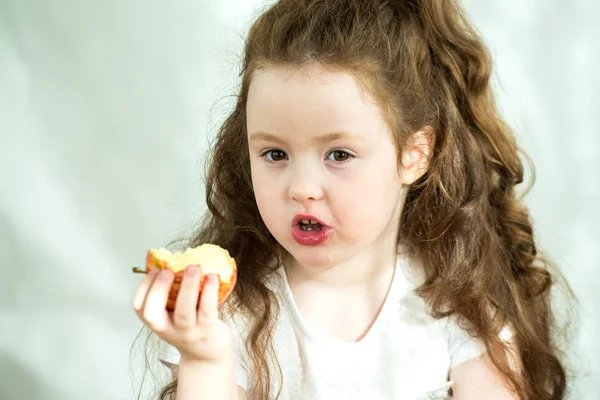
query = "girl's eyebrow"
{"x": 326, "y": 138}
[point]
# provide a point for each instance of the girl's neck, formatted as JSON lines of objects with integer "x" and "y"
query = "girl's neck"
{"x": 362, "y": 271}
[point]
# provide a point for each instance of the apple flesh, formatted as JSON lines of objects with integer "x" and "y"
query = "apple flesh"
{"x": 209, "y": 258}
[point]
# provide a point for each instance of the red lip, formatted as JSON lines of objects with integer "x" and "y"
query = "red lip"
{"x": 310, "y": 238}
{"x": 300, "y": 217}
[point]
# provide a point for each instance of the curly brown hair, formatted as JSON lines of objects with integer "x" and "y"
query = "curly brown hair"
{"x": 426, "y": 66}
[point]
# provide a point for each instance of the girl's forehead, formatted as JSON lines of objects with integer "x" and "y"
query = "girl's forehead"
{"x": 284, "y": 80}
{"x": 288, "y": 101}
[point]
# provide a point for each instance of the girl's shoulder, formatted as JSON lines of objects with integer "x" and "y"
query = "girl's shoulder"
{"x": 454, "y": 329}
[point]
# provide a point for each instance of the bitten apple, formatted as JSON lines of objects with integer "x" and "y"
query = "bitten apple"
{"x": 210, "y": 258}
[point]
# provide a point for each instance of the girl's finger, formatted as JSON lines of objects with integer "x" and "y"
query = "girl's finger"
{"x": 209, "y": 300}
{"x": 154, "y": 313}
{"x": 185, "y": 314}
{"x": 139, "y": 297}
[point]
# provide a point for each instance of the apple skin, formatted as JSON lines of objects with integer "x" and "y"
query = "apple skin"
{"x": 225, "y": 288}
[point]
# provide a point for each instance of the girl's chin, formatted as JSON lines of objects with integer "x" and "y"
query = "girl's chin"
{"x": 324, "y": 255}
{"x": 313, "y": 258}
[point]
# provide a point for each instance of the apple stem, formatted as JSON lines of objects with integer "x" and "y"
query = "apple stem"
{"x": 139, "y": 271}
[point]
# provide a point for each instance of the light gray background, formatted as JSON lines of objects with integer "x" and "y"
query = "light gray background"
{"x": 105, "y": 108}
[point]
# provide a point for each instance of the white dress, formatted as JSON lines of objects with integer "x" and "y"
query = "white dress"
{"x": 405, "y": 355}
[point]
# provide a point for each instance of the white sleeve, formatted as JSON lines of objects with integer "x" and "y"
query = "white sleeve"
{"x": 169, "y": 354}
{"x": 462, "y": 346}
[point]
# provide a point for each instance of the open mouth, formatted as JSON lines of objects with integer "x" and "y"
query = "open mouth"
{"x": 309, "y": 230}
{"x": 309, "y": 225}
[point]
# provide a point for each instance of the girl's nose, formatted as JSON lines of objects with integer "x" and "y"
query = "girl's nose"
{"x": 306, "y": 185}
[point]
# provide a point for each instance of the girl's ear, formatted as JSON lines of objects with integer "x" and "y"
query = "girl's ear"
{"x": 416, "y": 155}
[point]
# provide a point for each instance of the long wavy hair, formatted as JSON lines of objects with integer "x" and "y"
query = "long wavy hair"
{"x": 427, "y": 66}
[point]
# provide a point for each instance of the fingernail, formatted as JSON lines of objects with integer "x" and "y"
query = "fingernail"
{"x": 191, "y": 270}
{"x": 154, "y": 271}
{"x": 164, "y": 274}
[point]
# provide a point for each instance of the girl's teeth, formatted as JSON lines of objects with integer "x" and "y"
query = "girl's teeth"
{"x": 309, "y": 221}
{"x": 309, "y": 228}
{"x": 310, "y": 225}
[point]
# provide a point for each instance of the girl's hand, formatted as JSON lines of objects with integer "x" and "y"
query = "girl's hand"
{"x": 199, "y": 335}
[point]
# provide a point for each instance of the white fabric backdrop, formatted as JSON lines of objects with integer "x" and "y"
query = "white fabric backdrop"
{"x": 104, "y": 113}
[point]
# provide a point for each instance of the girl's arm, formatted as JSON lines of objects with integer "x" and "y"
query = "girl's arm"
{"x": 200, "y": 382}
{"x": 479, "y": 379}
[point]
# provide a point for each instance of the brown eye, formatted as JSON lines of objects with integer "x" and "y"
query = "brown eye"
{"x": 339, "y": 155}
{"x": 275, "y": 155}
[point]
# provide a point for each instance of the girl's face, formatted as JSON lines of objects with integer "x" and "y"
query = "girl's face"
{"x": 320, "y": 149}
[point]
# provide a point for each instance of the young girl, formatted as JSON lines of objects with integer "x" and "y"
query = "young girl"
{"x": 365, "y": 185}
